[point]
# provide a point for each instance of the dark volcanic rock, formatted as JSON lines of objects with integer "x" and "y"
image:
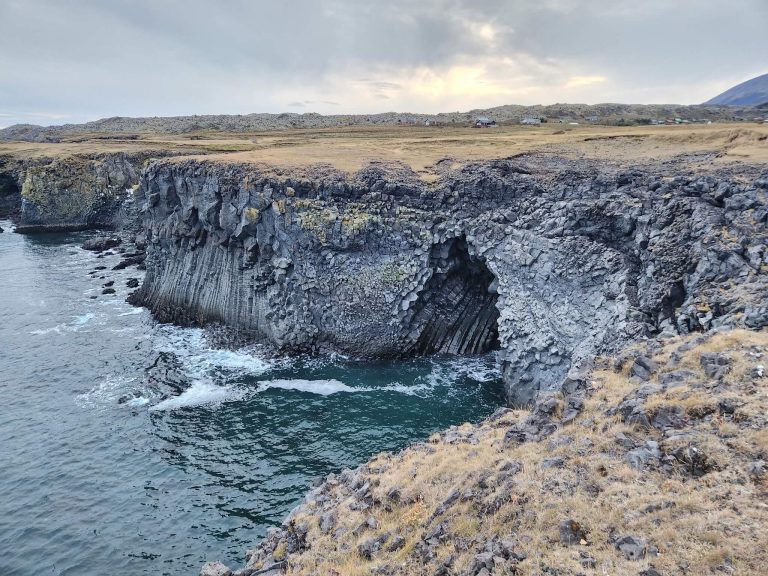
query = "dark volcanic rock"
{"x": 552, "y": 261}
{"x": 100, "y": 243}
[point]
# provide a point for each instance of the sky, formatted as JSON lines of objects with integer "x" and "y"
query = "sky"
{"x": 80, "y": 60}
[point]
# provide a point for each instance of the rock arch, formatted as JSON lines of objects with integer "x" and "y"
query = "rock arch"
{"x": 456, "y": 312}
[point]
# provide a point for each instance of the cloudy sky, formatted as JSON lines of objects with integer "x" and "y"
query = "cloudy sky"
{"x": 77, "y": 60}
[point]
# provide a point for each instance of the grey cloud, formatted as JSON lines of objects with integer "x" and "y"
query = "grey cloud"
{"x": 89, "y": 58}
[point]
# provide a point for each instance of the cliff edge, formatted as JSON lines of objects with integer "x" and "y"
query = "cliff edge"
{"x": 549, "y": 260}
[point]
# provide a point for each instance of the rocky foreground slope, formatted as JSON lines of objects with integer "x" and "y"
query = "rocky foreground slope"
{"x": 651, "y": 463}
{"x": 549, "y": 260}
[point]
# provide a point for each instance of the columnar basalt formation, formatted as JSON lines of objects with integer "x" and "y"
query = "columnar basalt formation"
{"x": 549, "y": 260}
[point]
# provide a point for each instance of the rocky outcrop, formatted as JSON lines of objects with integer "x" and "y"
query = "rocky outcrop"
{"x": 549, "y": 260}
{"x": 73, "y": 192}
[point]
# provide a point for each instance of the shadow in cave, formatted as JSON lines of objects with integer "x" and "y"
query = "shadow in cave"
{"x": 10, "y": 195}
{"x": 456, "y": 312}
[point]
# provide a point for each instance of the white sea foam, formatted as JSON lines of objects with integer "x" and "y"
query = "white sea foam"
{"x": 200, "y": 362}
{"x": 322, "y": 387}
{"x": 140, "y": 401}
{"x": 201, "y": 393}
{"x": 132, "y": 312}
{"x": 106, "y": 392}
{"x": 74, "y": 326}
{"x": 480, "y": 369}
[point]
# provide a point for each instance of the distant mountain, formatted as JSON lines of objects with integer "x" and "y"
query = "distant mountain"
{"x": 750, "y": 93}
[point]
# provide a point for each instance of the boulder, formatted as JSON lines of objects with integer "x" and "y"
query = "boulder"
{"x": 633, "y": 548}
{"x": 215, "y": 569}
{"x": 100, "y": 243}
{"x": 715, "y": 365}
{"x": 571, "y": 532}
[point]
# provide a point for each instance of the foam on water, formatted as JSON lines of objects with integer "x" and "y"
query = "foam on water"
{"x": 321, "y": 387}
{"x": 132, "y": 312}
{"x": 74, "y": 326}
{"x": 201, "y": 393}
{"x": 106, "y": 392}
{"x": 480, "y": 369}
{"x": 202, "y": 362}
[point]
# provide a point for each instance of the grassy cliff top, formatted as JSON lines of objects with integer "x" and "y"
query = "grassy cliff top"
{"x": 422, "y": 147}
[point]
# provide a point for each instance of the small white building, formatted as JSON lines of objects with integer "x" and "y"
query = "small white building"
{"x": 530, "y": 121}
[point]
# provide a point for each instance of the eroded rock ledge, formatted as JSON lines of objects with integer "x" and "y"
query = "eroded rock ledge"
{"x": 551, "y": 261}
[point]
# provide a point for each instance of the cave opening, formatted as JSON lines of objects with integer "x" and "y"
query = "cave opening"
{"x": 456, "y": 313}
{"x": 10, "y": 195}
{"x": 8, "y": 185}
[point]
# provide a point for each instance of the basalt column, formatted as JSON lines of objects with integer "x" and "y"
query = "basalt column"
{"x": 456, "y": 312}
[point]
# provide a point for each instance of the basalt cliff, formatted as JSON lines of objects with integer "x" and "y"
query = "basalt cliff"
{"x": 549, "y": 260}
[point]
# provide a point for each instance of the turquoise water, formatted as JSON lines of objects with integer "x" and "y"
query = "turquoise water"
{"x": 129, "y": 447}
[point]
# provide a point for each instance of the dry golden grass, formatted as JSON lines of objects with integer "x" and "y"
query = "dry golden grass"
{"x": 717, "y": 523}
{"x": 351, "y": 148}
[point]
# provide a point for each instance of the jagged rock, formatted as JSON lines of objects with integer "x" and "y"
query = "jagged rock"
{"x": 642, "y": 368}
{"x": 108, "y": 291}
{"x": 100, "y": 243}
{"x": 640, "y": 457}
{"x": 715, "y": 365}
{"x": 396, "y": 544}
{"x": 327, "y": 522}
{"x": 756, "y": 317}
{"x": 633, "y": 548}
{"x": 668, "y": 417}
{"x": 676, "y": 378}
{"x": 135, "y": 259}
{"x": 571, "y": 532}
{"x": 369, "y": 547}
{"x": 132, "y": 283}
{"x": 215, "y": 569}
{"x": 482, "y": 561}
{"x": 556, "y": 462}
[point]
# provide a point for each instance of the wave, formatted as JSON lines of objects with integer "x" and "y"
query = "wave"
{"x": 132, "y": 312}
{"x": 201, "y": 393}
{"x": 74, "y": 326}
{"x": 321, "y": 387}
{"x": 200, "y": 361}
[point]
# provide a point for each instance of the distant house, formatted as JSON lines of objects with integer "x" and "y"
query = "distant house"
{"x": 530, "y": 121}
{"x": 484, "y": 122}
{"x": 593, "y": 119}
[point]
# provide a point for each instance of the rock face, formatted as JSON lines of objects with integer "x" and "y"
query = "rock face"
{"x": 73, "y": 192}
{"x": 549, "y": 260}
{"x": 77, "y": 192}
